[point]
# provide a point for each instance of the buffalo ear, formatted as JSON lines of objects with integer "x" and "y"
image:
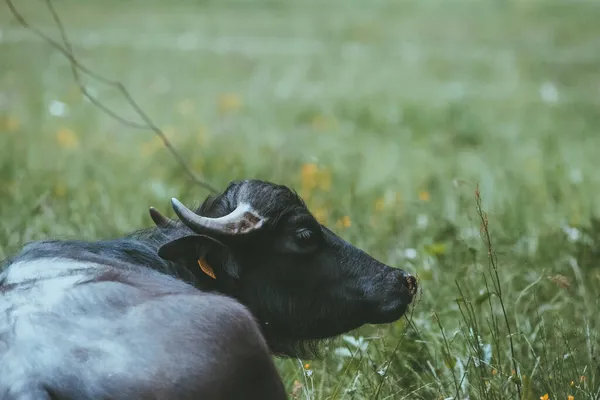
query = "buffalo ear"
{"x": 192, "y": 250}
{"x": 187, "y": 248}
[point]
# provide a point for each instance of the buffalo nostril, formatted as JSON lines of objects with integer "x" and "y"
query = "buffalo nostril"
{"x": 411, "y": 284}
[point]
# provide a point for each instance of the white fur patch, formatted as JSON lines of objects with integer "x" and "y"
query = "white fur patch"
{"x": 51, "y": 279}
{"x": 43, "y": 268}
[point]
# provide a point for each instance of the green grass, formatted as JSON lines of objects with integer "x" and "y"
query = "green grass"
{"x": 405, "y": 106}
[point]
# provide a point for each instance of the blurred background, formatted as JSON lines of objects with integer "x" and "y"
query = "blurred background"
{"x": 385, "y": 116}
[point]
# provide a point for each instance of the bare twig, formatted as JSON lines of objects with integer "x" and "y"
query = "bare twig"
{"x": 77, "y": 67}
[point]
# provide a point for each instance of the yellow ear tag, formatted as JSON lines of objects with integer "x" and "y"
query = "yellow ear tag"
{"x": 206, "y": 268}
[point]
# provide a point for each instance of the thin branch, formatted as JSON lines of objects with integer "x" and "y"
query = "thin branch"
{"x": 77, "y": 67}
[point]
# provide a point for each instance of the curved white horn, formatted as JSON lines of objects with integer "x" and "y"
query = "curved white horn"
{"x": 241, "y": 220}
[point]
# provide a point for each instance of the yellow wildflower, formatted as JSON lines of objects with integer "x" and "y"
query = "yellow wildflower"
{"x": 306, "y": 366}
{"x": 397, "y": 197}
{"x": 379, "y": 204}
{"x": 312, "y": 177}
{"x": 201, "y": 136}
{"x": 309, "y": 174}
{"x": 344, "y": 222}
{"x": 569, "y": 397}
{"x": 324, "y": 180}
{"x": 66, "y": 138}
{"x": 424, "y": 196}
{"x": 11, "y": 124}
{"x": 229, "y": 102}
{"x": 169, "y": 132}
{"x": 185, "y": 107}
{"x": 151, "y": 146}
{"x": 544, "y": 397}
{"x": 324, "y": 123}
{"x": 60, "y": 190}
{"x": 321, "y": 214}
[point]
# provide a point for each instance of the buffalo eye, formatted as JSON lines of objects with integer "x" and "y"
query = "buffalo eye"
{"x": 300, "y": 240}
{"x": 305, "y": 238}
{"x": 298, "y": 234}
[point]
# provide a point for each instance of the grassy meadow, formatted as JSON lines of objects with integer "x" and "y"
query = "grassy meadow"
{"x": 386, "y": 116}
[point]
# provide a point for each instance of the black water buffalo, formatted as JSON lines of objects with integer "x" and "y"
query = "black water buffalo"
{"x": 190, "y": 309}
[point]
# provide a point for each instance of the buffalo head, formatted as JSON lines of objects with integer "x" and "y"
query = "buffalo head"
{"x": 258, "y": 242}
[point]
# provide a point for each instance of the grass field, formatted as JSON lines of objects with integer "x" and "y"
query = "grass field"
{"x": 385, "y": 116}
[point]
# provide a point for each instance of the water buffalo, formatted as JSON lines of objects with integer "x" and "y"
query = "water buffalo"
{"x": 192, "y": 308}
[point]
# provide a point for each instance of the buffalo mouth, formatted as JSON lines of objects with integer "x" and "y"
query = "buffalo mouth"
{"x": 389, "y": 314}
{"x": 396, "y": 304}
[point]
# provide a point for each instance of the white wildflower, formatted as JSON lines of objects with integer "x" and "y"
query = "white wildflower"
{"x": 58, "y": 108}
{"x": 342, "y": 352}
{"x": 358, "y": 343}
{"x": 422, "y": 221}
{"x": 549, "y": 92}
{"x": 411, "y": 254}
{"x": 573, "y": 234}
{"x": 576, "y": 176}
